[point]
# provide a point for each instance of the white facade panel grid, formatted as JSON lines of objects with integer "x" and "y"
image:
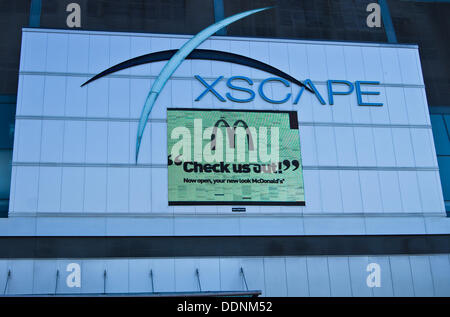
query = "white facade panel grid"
{"x": 401, "y": 275}
{"x": 440, "y": 268}
{"x": 318, "y": 276}
{"x": 72, "y": 189}
{"x": 390, "y": 192}
{"x": 358, "y": 160}
{"x": 275, "y": 276}
{"x": 297, "y": 277}
{"x": 95, "y": 189}
{"x": 54, "y": 96}
{"x": 340, "y": 282}
{"x": 35, "y": 51}
{"x": 78, "y": 53}
{"x": 76, "y": 99}
{"x": 402, "y": 278}
{"x": 350, "y": 191}
{"x": 49, "y": 199}
{"x": 358, "y": 275}
{"x": 119, "y": 51}
{"x": 422, "y": 277}
{"x": 57, "y": 52}
{"x": 385, "y": 288}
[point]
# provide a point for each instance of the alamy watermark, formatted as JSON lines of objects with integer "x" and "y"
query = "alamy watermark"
{"x": 374, "y": 18}
{"x": 239, "y": 140}
{"x": 73, "y": 19}
{"x": 74, "y": 277}
{"x": 374, "y": 277}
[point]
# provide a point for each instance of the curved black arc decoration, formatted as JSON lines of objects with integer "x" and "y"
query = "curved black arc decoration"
{"x": 199, "y": 54}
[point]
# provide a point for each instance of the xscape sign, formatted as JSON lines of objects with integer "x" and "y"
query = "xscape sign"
{"x": 234, "y": 157}
{"x": 245, "y": 85}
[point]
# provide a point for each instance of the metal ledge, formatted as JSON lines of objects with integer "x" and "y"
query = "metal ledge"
{"x": 200, "y": 246}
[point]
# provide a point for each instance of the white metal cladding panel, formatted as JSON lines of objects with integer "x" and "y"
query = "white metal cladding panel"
{"x": 107, "y": 50}
{"x": 59, "y": 140}
{"x": 103, "y": 189}
{"x": 400, "y": 275}
{"x": 74, "y": 147}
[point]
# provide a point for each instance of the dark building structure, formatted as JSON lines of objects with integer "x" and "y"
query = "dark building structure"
{"x": 424, "y": 23}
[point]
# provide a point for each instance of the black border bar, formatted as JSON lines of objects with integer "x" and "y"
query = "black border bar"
{"x": 279, "y": 305}
{"x": 194, "y": 246}
{"x": 229, "y": 110}
{"x": 236, "y": 203}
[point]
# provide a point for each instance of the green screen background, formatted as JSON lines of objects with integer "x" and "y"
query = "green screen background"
{"x": 290, "y": 192}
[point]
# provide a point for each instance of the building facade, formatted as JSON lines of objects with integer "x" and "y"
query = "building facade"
{"x": 88, "y": 213}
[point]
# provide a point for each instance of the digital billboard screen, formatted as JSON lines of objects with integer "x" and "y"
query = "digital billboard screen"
{"x": 234, "y": 157}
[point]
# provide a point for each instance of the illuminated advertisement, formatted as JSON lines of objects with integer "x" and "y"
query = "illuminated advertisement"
{"x": 234, "y": 157}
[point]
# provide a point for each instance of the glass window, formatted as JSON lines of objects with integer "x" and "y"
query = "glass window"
{"x": 5, "y": 180}
{"x": 439, "y": 124}
{"x": 7, "y": 115}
